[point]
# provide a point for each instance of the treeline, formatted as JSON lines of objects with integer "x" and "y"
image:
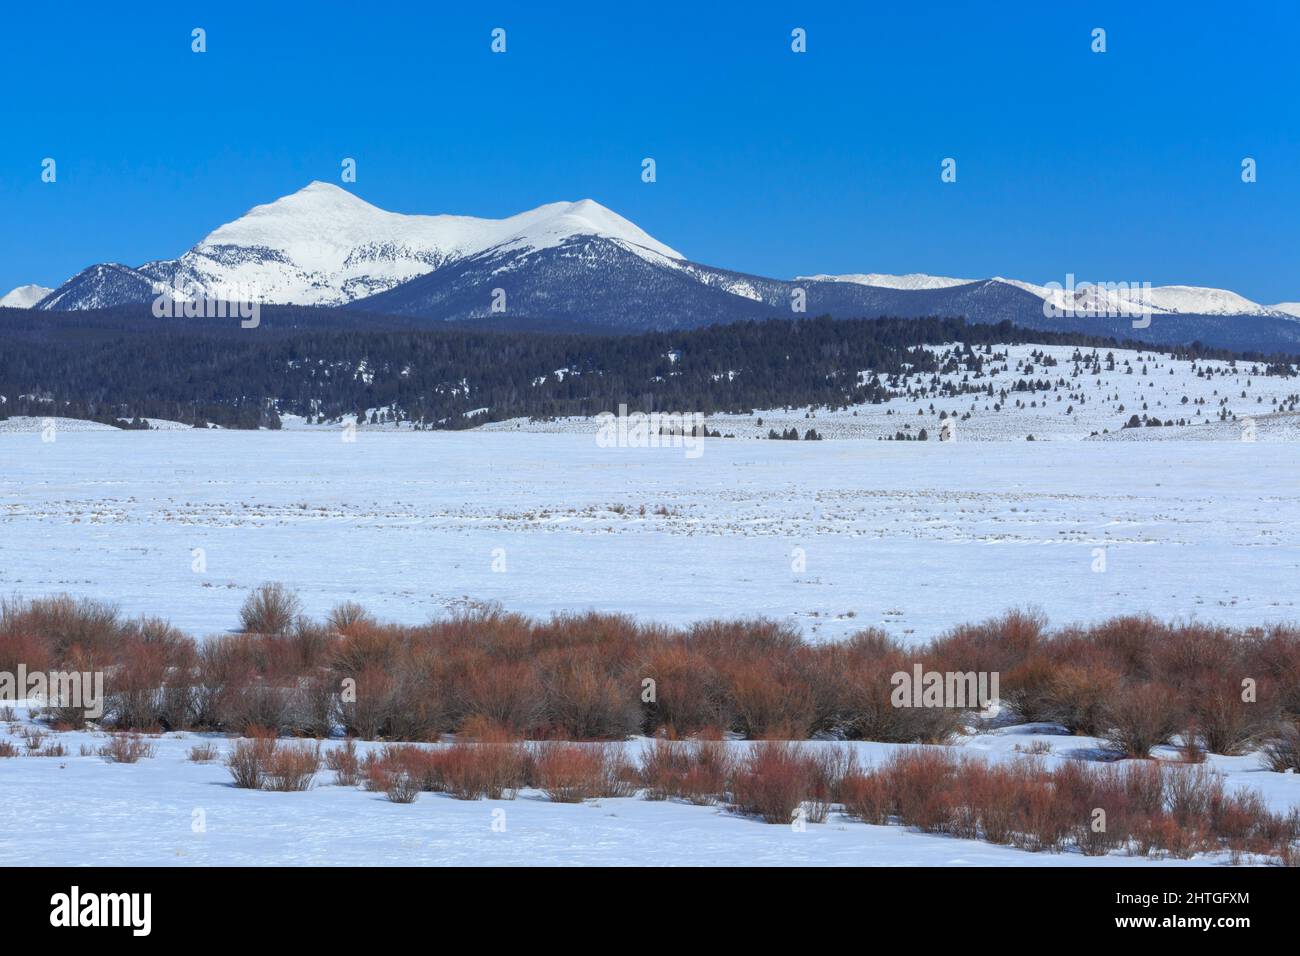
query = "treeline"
{"x": 114, "y": 365}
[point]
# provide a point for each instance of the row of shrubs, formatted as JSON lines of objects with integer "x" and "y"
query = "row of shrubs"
{"x": 1141, "y": 807}
{"x": 1134, "y": 680}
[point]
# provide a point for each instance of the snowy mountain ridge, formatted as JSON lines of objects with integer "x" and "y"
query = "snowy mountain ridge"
{"x": 1157, "y": 300}
{"x": 913, "y": 280}
{"x": 581, "y": 264}
{"x": 324, "y": 246}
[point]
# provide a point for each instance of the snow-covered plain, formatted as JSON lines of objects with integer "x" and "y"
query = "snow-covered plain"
{"x": 165, "y": 810}
{"x": 831, "y": 536}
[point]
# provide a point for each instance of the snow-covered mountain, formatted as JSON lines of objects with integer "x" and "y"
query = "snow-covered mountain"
{"x": 584, "y": 280}
{"x": 324, "y": 246}
{"x": 578, "y": 264}
{"x": 101, "y": 287}
{"x": 24, "y": 297}
{"x": 913, "y": 280}
{"x": 1197, "y": 300}
{"x": 1157, "y": 300}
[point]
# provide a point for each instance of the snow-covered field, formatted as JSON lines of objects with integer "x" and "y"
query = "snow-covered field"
{"x": 832, "y": 536}
{"x": 165, "y": 810}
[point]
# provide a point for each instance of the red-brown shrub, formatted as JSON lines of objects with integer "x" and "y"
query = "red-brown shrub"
{"x": 1144, "y": 788}
{"x": 270, "y": 609}
{"x": 1273, "y": 655}
{"x": 865, "y": 710}
{"x": 999, "y": 644}
{"x": 127, "y": 748}
{"x": 368, "y": 713}
{"x": 348, "y": 617}
{"x": 247, "y": 760}
{"x": 401, "y": 787}
{"x": 291, "y": 767}
{"x": 1096, "y": 802}
{"x": 344, "y": 762}
{"x": 1127, "y": 643}
{"x": 688, "y": 691}
{"x": 1043, "y": 821}
{"x": 506, "y": 693}
{"x": 828, "y": 767}
{"x": 1143, "y": 716}
{"x": 64, "y": 624}
{"x": 1281, "y": 751}
{"x": 1225, "y": 722}
{"x": 990, "y": 801}
{"x": 708, "y": 777}
{"x": 472, "y": 771}
{"x": 1027, "y": 687}
{"x": 585, "y": 703}
{"x": 663, "y": 765}
{"x": 419, "y": 765}
{"x": 134, "y": 687}
{"x": 581, "y": 676}
{"x": 1078, "y": 694}
{"x": 1188, "y": 654}
{"x": 204, "y": 753}
{"x": 19, "y": 645}
{"x": 1146, "y": 806}
{"x": 773, "y": 699}
{"x": 571, "y": 773}
{"x": 697, "y": 771}
{"x": 772, "y": 781}
{"x": 866, "y": 797}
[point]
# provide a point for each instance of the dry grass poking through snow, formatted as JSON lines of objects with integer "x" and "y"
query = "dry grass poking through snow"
{"x": 204, "y": 753}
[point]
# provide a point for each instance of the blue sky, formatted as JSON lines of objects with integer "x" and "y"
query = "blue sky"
{"x": 1122, "y": 166}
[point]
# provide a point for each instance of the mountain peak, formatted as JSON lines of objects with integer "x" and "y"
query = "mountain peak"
{"x": 322, "y": 192}
{"x": 553, "y": 223}
{"x": 24, "y": 297}
{"x": 323, "y": 245}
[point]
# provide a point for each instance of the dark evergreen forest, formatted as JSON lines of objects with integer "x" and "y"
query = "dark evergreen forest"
{"x": 117, "y": 366}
